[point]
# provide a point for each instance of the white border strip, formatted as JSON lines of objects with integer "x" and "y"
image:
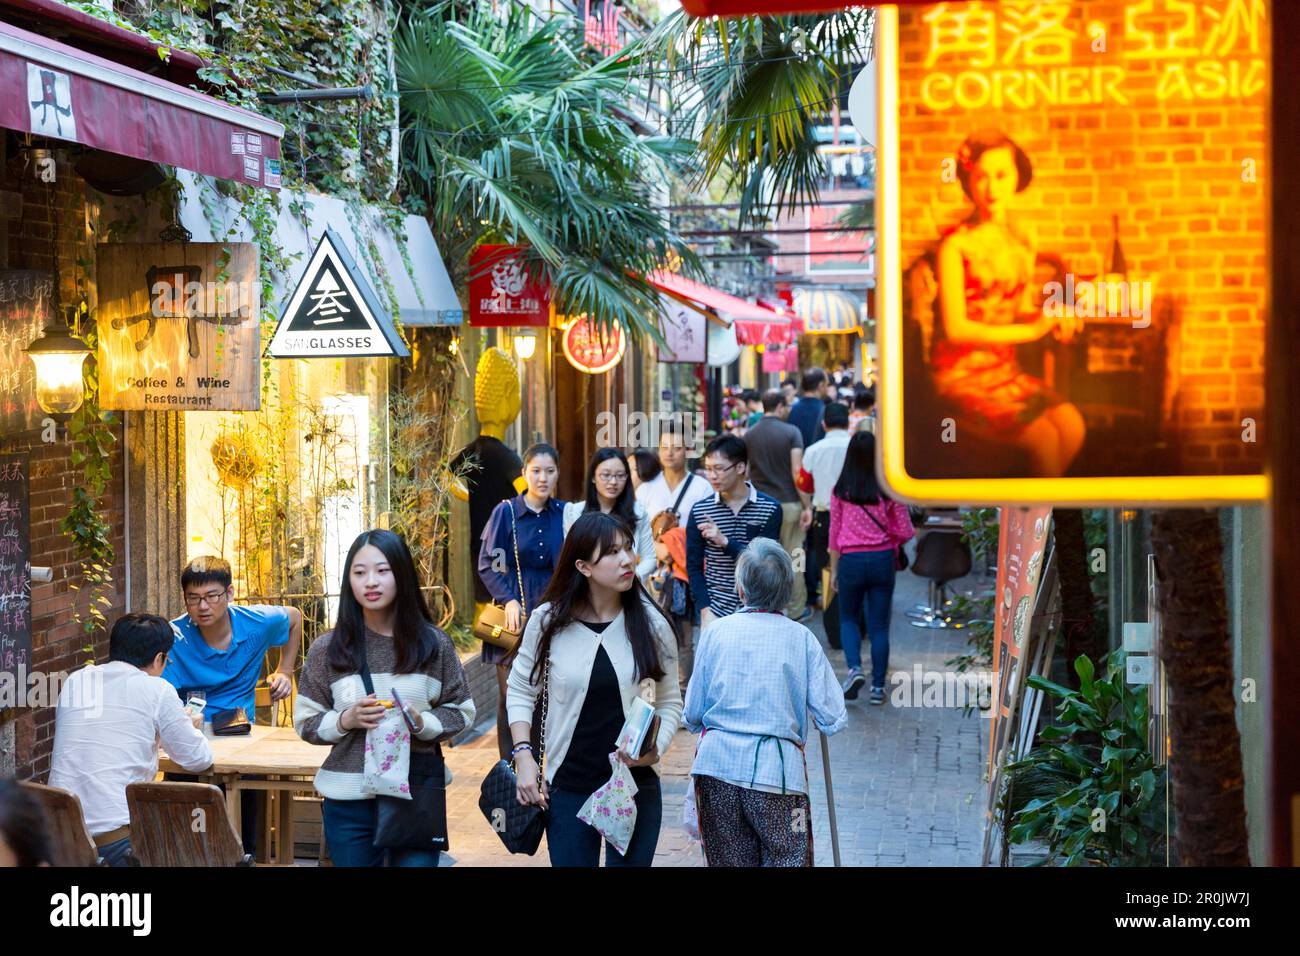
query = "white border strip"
{"x": 160, "y": 90}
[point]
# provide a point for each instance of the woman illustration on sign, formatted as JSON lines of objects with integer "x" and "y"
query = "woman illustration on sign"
{"x": 987, "y": 303}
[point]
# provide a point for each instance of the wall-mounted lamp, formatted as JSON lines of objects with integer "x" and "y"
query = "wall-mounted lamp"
{"x": 58, "y": 356}
{"x": 453, "y": 346}
{"x": 525, "y": 345}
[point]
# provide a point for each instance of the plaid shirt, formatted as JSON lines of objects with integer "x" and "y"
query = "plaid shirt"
{"x": 755, "y": 679}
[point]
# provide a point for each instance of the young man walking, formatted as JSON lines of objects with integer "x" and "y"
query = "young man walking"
{"x": 806, "y": 413}
{"x": 108, "y": 724}
{"x": 721, "y": 526}
{"x": 775, "y": 458}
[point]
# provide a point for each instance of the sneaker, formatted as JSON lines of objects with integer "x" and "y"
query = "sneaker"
{"x": 805, "y": 617}
{"x": 877, "y": 695}
{"x": 853, "y": 683}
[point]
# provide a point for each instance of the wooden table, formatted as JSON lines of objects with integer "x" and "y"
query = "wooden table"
{"x": 278, "y": 755}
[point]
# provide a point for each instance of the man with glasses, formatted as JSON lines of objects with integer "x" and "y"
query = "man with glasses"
{"x": 220, "y": 648}
{"x": 722, "y": 525}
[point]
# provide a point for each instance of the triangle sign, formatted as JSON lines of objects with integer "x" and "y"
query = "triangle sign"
{"x": 334, "y": 312}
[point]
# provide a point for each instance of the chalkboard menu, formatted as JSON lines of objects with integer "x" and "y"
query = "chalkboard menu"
{"x": 25, "y": 297}
{"x": 15, "y": 570}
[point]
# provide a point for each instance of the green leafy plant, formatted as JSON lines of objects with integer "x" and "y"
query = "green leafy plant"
{"x": 1090, "y": 790}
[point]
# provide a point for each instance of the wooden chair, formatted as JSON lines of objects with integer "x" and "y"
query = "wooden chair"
{"x": 72, "y": 841}
{"x": 182, "y": 824}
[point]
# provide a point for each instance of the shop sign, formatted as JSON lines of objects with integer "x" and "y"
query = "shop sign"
{"x": 178, "y": 327}
{"x": 684, "y": 332}
{"x": 1084, "y": 188}
{"x": 590, "y": 348}
{"x": 15, "y": 577}
{"x": 334, "y": 312}
{"x": 501, "y": 293}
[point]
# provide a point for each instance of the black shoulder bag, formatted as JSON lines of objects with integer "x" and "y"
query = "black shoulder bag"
{"x": 520, "y": 827}
{"x": 421, "y": 822}
{"x": 900, "y": 555}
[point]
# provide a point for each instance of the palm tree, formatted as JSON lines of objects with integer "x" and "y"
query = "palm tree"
{"x": 513, "y": 132}
{"x": 752, "y": 89}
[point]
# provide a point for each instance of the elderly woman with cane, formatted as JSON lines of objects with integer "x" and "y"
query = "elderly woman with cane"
{"x": 757, "y": 676}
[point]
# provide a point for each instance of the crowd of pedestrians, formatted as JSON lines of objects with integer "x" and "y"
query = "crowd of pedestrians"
{"x": 686, "y": 589}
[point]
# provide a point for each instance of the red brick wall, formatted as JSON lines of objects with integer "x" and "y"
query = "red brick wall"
{"x": 1172, "y": 171}
{"x": 57, "y": 642}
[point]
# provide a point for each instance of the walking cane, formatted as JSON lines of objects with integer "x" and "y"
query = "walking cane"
{"x": 830, "y": 797}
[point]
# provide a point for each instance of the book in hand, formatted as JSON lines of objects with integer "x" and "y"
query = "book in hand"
{"x": 639, "y": 730}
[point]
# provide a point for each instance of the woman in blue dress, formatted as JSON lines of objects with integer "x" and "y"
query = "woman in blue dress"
{"x": 531, "y": 527}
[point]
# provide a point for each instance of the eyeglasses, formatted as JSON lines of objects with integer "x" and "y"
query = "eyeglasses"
{"x": 611, "y": 477}
{"x": 210, "y": 599}
{"x": 715, "y": 470}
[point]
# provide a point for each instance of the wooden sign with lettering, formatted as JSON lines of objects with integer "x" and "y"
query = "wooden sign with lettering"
{"x": 24, "y": 298}
{"x": 179, "y": 327}
{"x": 15, "y": 573}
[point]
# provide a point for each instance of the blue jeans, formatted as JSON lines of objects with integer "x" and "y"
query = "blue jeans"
{"x": 350, "y": 836}
{"x": 574, "y": 843}
{"x": 116, "y": 853}
{"x": 866, "y": 586}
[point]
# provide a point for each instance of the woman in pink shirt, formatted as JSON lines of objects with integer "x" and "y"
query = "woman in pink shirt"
{"x": 866, "y": 530}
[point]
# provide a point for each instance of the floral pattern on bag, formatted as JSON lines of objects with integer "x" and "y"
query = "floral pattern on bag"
{"x": 388, "y": 758}
{"x": 611, "y": 810}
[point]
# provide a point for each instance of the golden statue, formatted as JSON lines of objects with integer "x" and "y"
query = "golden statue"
{"x": 497, "y": 401}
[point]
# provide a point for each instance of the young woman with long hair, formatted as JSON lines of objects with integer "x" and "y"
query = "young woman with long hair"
{"x": 604, "y": 638}
{"x": 529, "y": 527}
{"x": 609, "y": 489}
{"x": 384, "y": 622}
{"x": 866, "y": 531}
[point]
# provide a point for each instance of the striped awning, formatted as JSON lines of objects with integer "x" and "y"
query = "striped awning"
{"x": 827, "y": 311}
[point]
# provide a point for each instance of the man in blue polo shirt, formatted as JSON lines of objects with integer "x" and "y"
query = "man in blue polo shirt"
{"x": 220, "y": 647}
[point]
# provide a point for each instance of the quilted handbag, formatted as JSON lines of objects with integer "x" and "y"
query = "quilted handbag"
{"x": 519, "y": 826}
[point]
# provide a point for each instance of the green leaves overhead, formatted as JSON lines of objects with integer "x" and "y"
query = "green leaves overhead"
{"x": 753, "y": 89}
{"x": 512, "y": 133}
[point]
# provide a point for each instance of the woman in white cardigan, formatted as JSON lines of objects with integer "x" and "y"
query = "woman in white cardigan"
{"x": 604, "y": 640}
{"x": 609, "y": 489}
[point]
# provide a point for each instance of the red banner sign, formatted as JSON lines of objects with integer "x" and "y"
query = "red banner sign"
{"x": 501, "y": 292}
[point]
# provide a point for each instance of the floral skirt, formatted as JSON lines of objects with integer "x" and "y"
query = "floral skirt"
{"x": 989, "y": 387}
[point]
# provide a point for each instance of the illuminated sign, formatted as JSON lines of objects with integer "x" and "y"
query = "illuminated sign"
{"x": 1073, "y": 251}
{"x": 501, "y": 293}
{"x": 592, "y": 349}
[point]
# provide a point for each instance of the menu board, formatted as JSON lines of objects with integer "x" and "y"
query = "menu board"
{"x": 15, "y": 569}
{"x": 25, "y": 296}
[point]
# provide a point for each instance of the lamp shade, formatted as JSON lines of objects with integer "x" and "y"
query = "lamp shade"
{"x": 58, "y": 356}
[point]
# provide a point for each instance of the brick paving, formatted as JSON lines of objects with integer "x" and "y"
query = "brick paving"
{"x": 907, "y": 780}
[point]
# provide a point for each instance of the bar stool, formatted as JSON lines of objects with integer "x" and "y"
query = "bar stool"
{"x": 941, "y": 556}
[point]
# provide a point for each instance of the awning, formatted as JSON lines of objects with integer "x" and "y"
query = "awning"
{"x": 827, "y": 311}
{"x": 424, "y": 293}
{"x": 729, "y": 308}
{"x": 57, "y": 91}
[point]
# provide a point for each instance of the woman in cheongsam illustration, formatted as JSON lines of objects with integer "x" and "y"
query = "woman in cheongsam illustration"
{"x": 985, "y": 272}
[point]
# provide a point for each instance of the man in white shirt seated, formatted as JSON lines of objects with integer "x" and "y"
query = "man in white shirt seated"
{"x": 110, "y": 721}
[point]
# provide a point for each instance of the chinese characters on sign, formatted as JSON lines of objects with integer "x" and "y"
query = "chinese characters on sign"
{"x": 334, "y": 311}
{"x": 1073, "y": 250}
{"x": 15, "y": 571}
{"x": 49, "y": 100}
{"x": 501, "y": 293}
{"x": 590, "y": 348}
{"x": 25, "y": 297}
{"x": 174, "y": 337}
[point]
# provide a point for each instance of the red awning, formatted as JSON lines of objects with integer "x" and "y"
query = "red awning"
{"x": 729, "y": 308}
{"x": 54, "y": 90}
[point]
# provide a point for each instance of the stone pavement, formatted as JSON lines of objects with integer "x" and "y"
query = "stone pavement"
{"x": 907, "y": 780}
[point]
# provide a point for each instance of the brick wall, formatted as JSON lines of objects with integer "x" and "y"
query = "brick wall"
{"x": 57, "y": 642}
{"x": 1176, "y": 173}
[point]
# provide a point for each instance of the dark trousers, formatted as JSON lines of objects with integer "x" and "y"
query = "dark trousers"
{"x": 866, "y": 589}
{"x": 742, "y": 827}
{"x": 350, "y": 836}
{"x": 504, "y": 741}
{"x": 574, "y": 843}
{"x": 117, "y": 853}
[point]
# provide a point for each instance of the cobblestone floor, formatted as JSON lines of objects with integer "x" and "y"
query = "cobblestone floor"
{"x": 907, "y": 780}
